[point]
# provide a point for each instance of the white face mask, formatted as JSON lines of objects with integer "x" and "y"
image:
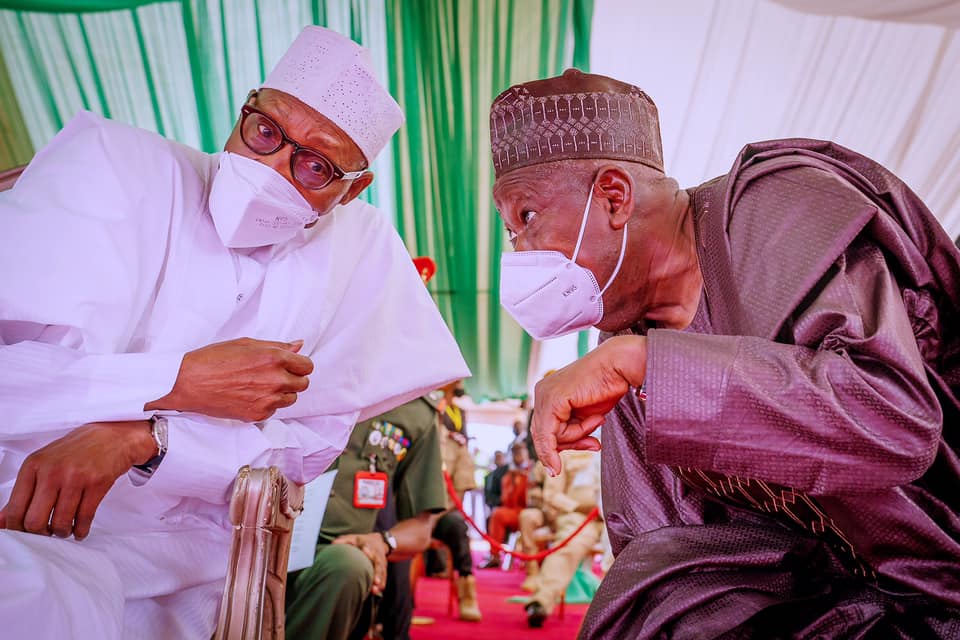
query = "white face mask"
{"x": 252, "y": 205}
{"x": 549, "y": 294}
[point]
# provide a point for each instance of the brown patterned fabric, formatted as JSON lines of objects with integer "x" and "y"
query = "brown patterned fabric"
{"x": 824, "y": 357}
{"x": 574, "y": 116}
{"x": 795, "y": 508}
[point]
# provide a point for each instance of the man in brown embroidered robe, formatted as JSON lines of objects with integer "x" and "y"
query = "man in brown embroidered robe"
{"x": 779, "y": 377}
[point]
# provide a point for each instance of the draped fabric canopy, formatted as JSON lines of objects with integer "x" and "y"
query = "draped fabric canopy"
{"x": 183, "y": 67}
{"x": 938, "y": 12}
{"x": 727, "y": 73}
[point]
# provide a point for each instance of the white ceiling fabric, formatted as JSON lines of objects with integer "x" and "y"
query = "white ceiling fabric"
{"x": 939, "y": 12}
{"x": 724, "y": 73}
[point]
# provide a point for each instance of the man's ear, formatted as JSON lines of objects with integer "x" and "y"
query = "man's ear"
{"x": 357, "y": 187}
{"x": 616, "y": 187}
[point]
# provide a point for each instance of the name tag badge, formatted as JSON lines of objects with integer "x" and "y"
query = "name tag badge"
{"x": 370, "y": 490}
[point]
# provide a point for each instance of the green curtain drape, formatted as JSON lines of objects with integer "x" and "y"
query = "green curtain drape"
{"x": 72, "y": 6}
{"x": 183, "y": 67}
{"x": 451, "y": 60}
{"x": 178, "y": 67}
{"x": 15, "y": 146}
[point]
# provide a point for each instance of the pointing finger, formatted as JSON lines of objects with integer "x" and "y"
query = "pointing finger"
{"x": 545, "y": 442}
{"x": 583, "y": 444}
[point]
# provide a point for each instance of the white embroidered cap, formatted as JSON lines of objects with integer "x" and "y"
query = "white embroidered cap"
{"x": 334, "y": 75}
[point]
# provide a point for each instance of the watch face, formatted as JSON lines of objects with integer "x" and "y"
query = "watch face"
{"x": 389, "y": 539}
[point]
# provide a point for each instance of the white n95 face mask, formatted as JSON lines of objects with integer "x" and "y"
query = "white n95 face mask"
{"x": 549, "y": 294}
{"x": 252, "y": 205}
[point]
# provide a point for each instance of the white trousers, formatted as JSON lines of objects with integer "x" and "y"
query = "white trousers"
{"x": 63, "y": 590}
{"x": 55, "y": 588}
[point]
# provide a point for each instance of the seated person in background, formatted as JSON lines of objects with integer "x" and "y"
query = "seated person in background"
{"x": 567, "y": 499}
{"x": 131, "y": 268}
{"x": 451, "y": 528}
{"x": 331, "y": 599}
{"x": 532, "y": 523}
{"x": 513, "y": 499}
{"x": 491, "y": 484}
{"x": 519, "y": 432}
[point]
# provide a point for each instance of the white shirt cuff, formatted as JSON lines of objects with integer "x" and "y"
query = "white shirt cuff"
{"x": 131, "y": 380}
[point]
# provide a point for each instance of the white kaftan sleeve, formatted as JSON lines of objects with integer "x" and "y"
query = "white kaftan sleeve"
{"x": 82, "y": 244}
{"x": 49, "y": 387}
{"x": 204, "y": 454}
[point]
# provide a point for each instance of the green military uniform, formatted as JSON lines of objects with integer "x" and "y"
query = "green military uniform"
{"x": 327, "y": 599}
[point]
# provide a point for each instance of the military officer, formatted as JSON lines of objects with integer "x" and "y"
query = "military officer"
{"x": 400, "y": 448}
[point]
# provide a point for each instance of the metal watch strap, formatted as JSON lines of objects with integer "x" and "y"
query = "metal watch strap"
{"x": 158, "y": 429}
{"x": 390, "y": 541}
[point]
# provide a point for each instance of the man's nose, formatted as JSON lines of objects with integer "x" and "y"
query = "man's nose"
{"x": 279, "y": 161}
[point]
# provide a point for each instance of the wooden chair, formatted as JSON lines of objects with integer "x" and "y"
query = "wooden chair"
{"x": 262, "y": 510}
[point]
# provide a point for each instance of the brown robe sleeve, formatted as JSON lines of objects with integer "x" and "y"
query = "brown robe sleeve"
{"x": 839, "y": 403}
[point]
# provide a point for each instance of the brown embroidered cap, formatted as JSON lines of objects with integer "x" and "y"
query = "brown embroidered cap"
{"x": 575, "y": 115}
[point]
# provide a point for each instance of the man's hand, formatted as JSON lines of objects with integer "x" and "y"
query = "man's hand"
{"x": 60, "y": 486}
{"x": 374, "y": 547}
{"x": 571, "y": 403}
{"x": 243, "y": 379}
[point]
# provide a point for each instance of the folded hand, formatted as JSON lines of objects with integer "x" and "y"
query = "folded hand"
{"x": 242, "y": 379}
{"x": 375, "y": 549}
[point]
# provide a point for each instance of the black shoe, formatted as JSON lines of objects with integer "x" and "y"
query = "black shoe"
{"x": 536, "y": 614}
{"x": 492, "y": 563}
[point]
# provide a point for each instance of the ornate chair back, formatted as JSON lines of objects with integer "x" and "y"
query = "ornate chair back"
{"x": 262, "y": 510}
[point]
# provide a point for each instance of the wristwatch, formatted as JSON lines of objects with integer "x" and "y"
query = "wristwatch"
{"x": 158, "y": 429}
{"x": 390, "y": 541}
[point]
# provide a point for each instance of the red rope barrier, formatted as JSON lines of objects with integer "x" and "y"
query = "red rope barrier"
{"x": 496, "y": 544}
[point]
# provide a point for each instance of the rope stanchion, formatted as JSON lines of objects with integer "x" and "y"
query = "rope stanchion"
{"x": 496, "y": 544}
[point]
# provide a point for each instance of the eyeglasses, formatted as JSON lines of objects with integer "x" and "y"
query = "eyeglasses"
{"x": 310, "y": 168}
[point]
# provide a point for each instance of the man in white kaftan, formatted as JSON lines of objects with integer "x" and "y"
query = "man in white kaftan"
{"x": 124, "y": 291}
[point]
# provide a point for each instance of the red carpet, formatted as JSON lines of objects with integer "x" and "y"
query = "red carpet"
{"x": 501, "y": 619}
